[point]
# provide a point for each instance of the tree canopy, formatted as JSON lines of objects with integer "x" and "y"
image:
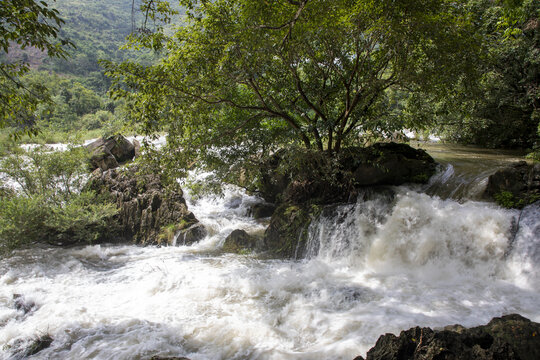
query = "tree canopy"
{"x": 502, "y": 109}
{"x": 244, "y": 76}
{"x": 25, "y": 24}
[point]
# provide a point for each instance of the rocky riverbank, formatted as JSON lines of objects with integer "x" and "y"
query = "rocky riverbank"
{"x": 509, "y": 337}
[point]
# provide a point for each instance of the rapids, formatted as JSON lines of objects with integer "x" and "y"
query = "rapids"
{"x": 428, "y": 256}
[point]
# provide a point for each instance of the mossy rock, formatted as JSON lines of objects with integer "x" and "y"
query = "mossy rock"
{"x": 303, "y": 176}
{"x": 515, "y": 186}
{"x": 239, "y": 242}
{"x": 287, "y": 234}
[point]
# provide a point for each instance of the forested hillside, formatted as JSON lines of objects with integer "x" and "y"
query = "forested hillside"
{"x": 77, "y": 86}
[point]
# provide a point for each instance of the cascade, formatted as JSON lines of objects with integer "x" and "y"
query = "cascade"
{"x": 398, "y": 258}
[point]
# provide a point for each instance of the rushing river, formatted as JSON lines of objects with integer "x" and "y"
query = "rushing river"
{"x": 428, "y": 256}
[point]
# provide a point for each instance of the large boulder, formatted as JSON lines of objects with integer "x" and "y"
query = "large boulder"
{"x": 109, "y": 153}
{"x": 149, "y": 213}
{"x": 515, "y": 186}
{"x": 510, "y": 337}
{"x": 303, "y": 176}
{"x": 239, "y": 241}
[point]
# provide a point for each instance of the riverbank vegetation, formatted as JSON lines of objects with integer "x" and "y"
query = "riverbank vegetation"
{"x": 49, "y": 203}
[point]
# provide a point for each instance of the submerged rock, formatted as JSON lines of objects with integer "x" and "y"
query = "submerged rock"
{"x": 109, "y": 153}
{"x": 510, "y": 337}
{"x": 23, "y": 305}
{"x": 515, "y": 186}
{"x": 24, "y": 348}
{"x": 239, "y": 241}
{"x": 149, "y": 213}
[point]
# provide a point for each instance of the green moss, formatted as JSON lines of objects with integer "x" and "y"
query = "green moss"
{"x": 167, "y": 233}
{"x": 508, "y": 200}
{"x": 421, "y": 178}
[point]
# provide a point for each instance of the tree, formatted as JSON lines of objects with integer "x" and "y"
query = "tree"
{"x": 244, "y": 76}
{"x": 502, "y": 109}
{"x": 25, "y": 23}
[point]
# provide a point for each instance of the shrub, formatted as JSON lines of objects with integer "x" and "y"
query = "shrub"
{"x": 50, "y": 205}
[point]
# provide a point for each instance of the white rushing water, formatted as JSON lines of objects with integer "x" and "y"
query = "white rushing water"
{"x": 382, "y": 265}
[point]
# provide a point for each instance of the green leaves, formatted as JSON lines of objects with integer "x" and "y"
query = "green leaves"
{"x": 52, "y": 205}
{"x": 25, "y": 23}
{"x": 250, "y": 76}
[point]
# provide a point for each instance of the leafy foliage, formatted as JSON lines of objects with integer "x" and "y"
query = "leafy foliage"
{"x": 246, "y": 76}
{"x": 52, "y": 205}
{"x": 25, "y": 24}
{"x": 502, "y": 109}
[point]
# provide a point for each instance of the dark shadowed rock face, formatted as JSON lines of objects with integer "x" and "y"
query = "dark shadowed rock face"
{"x": 302, "y": 176}
{"x": 287, "y": 234}
{"x": 262, "y": 210}
{"x": 149, "y": 213}
{"x": 515, "y": 186}
{"x": 510, "y": 337}
{"x": 109, "y": 153}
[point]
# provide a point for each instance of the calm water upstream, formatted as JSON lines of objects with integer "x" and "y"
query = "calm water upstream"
{"x": 428, "y": 256}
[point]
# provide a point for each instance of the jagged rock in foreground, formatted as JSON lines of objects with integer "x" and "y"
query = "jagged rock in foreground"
{"x": 109, "y": 153}
{"x": 148, "y": 212}
{"x": 511, "y": 337}
{"x": 516, "y": 186}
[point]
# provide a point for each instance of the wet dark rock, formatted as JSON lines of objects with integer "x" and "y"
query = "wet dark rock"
{"x": 191, "y": 234}
{"x": 41, "y": 343}
{"x": 24, "y": 348}
{"x": 149, "y": 212}
{"x": 262, "y": 210}
{"x": 287, "y": 234}
{"x": 510, "y": 337}
{"x": 239, "y": 242}
{"x": 109, "y": 153}
{"x": 301, "y": 176}
{"x": 515, "y": 186}
{"x": 302, "y": 182}
{"x": 21, "y": 304}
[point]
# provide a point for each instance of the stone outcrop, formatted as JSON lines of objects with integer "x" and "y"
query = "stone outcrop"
{"x": 303, "y": 183}
{"x": 314, "y": 177}
{"x": 515, "y": 186}
{"x": 109, "y": 153}
{"x": 149, "y": 213}
{"x": 286, "y": 236}
{"x": 510, "y": 337}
